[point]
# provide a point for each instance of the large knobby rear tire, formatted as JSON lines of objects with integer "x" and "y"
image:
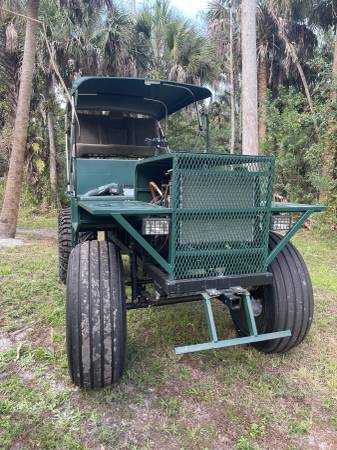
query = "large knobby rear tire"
{"x": 64, "y": 241}
{"x": 287, "y": 304}
{"x": 96, "y": 315}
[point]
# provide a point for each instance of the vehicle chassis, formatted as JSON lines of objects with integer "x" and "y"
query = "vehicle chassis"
{"x": 230, "y": 290}
{"x": 219, "y": 245}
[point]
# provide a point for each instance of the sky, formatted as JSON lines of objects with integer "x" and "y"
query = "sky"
{"x": 189, "y": 8}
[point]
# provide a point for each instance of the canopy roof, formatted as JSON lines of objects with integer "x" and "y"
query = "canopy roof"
{"x": 138, "y": 95}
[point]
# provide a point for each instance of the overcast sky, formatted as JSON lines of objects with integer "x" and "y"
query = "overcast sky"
{"x": 190, "y": 8}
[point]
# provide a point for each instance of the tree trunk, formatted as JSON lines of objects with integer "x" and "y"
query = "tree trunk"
{"x": 262, "y": 93}
{"x": 250, "y": 142}
{"x": 334, "y": 97}
{"x": 8, "y": 73}
{"x": 306, "y": 87}
{"x": 133, "y": 8}
{"x": 334, "y": 66}
{"x": 52, "y": 156}
{"x": 331, "y": 152}
{"x": 290, "y": 49}
{"x": 231, "y": 81}
{"x": 10, "y": 207}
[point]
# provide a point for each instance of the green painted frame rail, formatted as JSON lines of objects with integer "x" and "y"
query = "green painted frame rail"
{"x": 117, "y": 208}
{"x": 214, "y": 342}
{"x": 141, "y": 241}
{"x": 120, "y": 206}
{"x": 304, "y": 210}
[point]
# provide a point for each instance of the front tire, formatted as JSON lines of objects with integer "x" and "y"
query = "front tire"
{"x": 64, "y": 241}
{"x": 96, "y": 315}
{"x": 286, "y": 304}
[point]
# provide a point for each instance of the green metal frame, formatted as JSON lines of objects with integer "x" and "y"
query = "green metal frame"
{"x": 141, "y": 241}
{"x": 100, "y": 213}
{"x": 304, "y": 210}
{"x": 214, "y": 343}
{"x": 118, "y": 208}
{"x": 232, "y": 192}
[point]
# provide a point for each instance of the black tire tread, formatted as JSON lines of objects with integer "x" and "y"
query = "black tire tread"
{"x": 64, "y": 241}
{"x": 96, "y": 315}
{"x": 292, "y": 296}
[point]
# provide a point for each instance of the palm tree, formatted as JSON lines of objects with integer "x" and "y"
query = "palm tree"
{"x": 188, "y": 54}
{"x": 10, "y": 207}
{"x": 222, "y": 16}
{"x": 143, "y": 49}
{"x": 320, "y": 14}
{"x": 285, "y": 44}
{"x": 161, "y": 15}
{"x": 10, "y": 57}
{"x": 323, "y": 14}
{"x": 169, "y": 46}
{"x": 265, "y": 47}
{"x": 114, "y": 38}
{"x": 58, "y": 32}
{"x": 250, "y": 142}
{"x": 9, "y": 60}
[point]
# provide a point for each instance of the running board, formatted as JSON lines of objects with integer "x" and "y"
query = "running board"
{"x": 214, "y": 342}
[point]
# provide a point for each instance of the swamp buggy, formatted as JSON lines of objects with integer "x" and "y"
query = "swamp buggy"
{"x": 195, "y": 226}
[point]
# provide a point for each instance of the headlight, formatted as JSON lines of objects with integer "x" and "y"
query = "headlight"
{"x": 281, "y": 222}
{"x": 154, "y": 226}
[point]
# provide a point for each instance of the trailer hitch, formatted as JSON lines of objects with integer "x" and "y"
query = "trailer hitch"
{"x": 229, "y": 297}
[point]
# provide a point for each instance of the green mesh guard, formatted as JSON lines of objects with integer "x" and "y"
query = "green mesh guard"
{"x": 221, "y": 214}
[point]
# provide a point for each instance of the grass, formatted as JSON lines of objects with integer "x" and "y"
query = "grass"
{"x": 236, "y": 398}
{"x": 36, "y": 218}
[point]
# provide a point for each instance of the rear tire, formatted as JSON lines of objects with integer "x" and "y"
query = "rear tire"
{"x": 64, "y": 241}
{"x": 286, "y": 304}
{"x": 96, "y": 315}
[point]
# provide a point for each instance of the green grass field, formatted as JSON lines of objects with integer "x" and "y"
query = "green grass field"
{"x": 235, "y": 398}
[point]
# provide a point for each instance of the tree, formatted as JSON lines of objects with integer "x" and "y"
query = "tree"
{"x": 9, "y": 59}
{"x": 265, "y": 46}
{"x": 10, "y": 207}
{"x": 285, "y": 45}
{"x": 323, "y": 14}
{"x": 52, "y": 153}
{"x": 188, "y": 55}
{"x": 250, "y": 142}
{"x": 10, "y": 56}
{"x": 282, "y": 25}
{"x": 221, "y": 28}
{"x": 133, "y": 8}
{"x": 231, "y": 77}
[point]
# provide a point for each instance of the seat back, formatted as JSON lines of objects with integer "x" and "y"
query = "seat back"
{"x": 104, "y": 136}
{"x": 141, "y": 129}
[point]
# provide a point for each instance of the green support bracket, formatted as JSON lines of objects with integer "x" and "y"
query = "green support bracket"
{"x": 214, "y": 343}
{"x": 74, "y": 222}
{"x": 280, "y": 246}
{"x": 141, "y": 241}
{"x": 209, "y": 317}
{"x": 247, "y": 304}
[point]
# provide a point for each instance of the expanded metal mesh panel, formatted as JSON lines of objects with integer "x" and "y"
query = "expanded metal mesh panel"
{"x": 221, "y": 216}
